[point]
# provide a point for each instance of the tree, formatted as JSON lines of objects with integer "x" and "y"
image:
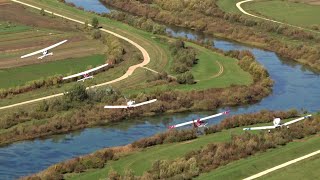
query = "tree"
{"x": 95, "y": 22}
{"x": 96, "y": 34}
{"x": 42, "y": 12}
{"x": 113, "y": 175}
{"x": 189, "y": 78}
{"x": 86, "y": 24}
{"x": 77, "y": 93}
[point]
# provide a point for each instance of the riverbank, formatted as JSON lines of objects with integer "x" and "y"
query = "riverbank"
{"x": 138, "y": 159}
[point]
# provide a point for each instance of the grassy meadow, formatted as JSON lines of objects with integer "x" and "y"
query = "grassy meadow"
{"x": 22, "y": 75}
{"x": 298, "y": 170}
{"x": 158, "y": 50}
{"x": 228, "y": 5}
{"x": 298, "y": 14}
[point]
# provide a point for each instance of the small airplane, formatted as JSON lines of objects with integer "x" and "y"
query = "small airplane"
{"x": 277, "y": 124}
{"x": 199, "y": 123}
{"x": 45, "y": 51}
{"x": 85, "y": 74}
{"x": 130, "y": 104}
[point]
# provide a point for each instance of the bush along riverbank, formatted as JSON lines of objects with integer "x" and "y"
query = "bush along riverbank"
{"x": 80, "y": 108}
{"x": 249, "y": 145}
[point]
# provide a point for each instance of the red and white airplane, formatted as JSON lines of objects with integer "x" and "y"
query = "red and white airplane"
{"x": 130, "y": 104}
{"x": 45, "y": 51}
{"x": 277, "y": 124}
{"x": 85, "y": 74}
{"x": 199, "y": 122}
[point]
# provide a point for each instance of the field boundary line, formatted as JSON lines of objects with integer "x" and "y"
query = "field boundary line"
{"x": 267, "y": 19}
{"x": 282, "y": 165}
{"x": 131, "y": 69}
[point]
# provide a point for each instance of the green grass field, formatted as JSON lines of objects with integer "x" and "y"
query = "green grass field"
{"x": 142, "y": 160}
{"x": 228, "y": 5}
{"x": 306, "y": 169}
{"x": 206, "y": 72}
{"x": 6, "y": 27}
{"x": 262, "y": 161}
{"x": 21, "y": 75}
{"x": 159, "y": 54}
{"x": 299, "y": 14}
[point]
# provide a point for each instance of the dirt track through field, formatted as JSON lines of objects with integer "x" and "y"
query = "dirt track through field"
{"x": 146, "y": 59}
{"x": 252, "y": 15}
{"x": 282, "y": 165}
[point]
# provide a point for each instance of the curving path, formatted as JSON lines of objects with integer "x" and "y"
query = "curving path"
{"x": 220, "y": 71}
{"x": 282, "y": 165}
{"x": 252, "y": 15}
{"x": 146, "y": 58}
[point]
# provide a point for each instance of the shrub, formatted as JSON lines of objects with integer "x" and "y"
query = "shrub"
{"x": 96, "y": 34}
{"x": 42, "y": 12}
{"x": 95, "y": 22}
{"x": 77, "y": 93}
{"x": 186, "y": 78}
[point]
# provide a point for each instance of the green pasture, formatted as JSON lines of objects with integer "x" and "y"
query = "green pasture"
{"x": 305, "y": 169}
{"x": 22, "y": 75}
{"x": 6, "y": 27}
{"x": 206, "y": 72}
{"x": 299, "y": 14}
{"x": 254, "y": 164}
{"x": 159, "y": 54}
{"x": 228, "y": 5}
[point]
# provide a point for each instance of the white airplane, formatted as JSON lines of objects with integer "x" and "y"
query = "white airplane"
{"x": 277, "y": 124}
{"x": 130, "y": 104}
{"x": 199, "y": 122}
{"x": 45, "y": 51}
{"x": 85, "y": 74}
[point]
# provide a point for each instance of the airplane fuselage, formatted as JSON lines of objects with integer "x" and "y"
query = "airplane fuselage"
{"x": 45, "y": 53}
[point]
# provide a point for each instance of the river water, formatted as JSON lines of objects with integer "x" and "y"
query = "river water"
{"x": 295, "y": 86}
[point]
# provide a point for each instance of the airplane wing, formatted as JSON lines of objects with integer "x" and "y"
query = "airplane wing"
{"x": 296, "y": 120}
{"x": 115, "y": 107}
{"x": 85, "y": 72}
{"x": 259, "y": 128}
{"x": 135, "y": 105}
{"x": 45, "y": 49}
{"x": 202, "y": 119}
{"x": 144, "y": 103}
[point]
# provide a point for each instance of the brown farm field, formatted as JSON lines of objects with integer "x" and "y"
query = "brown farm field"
{"x": 23, "y": 31}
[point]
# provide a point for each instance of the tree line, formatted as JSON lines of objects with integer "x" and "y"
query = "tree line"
{"x": 184, "y": 58}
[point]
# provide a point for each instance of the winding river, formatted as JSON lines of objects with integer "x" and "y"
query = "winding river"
{"x": 295, "y": 86}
